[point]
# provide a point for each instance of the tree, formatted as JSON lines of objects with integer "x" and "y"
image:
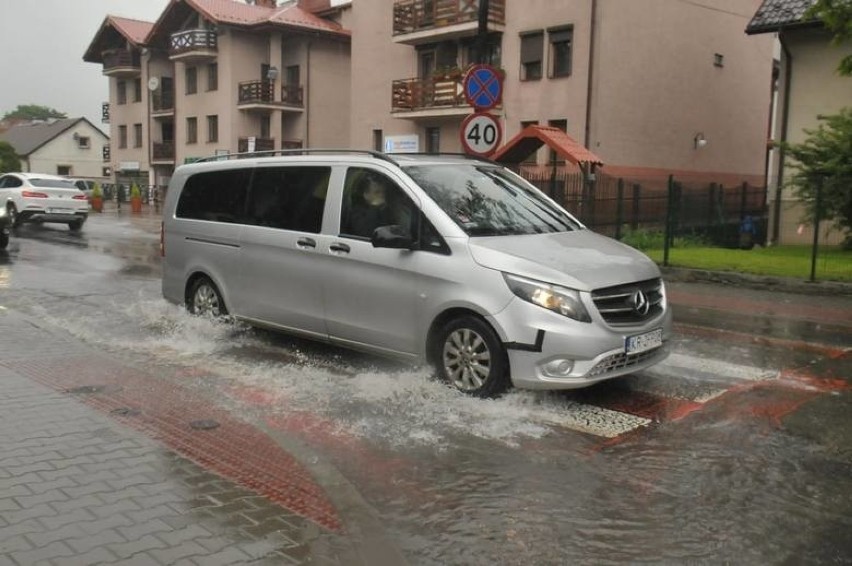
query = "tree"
{"x": 9, "y": 161}
{"x": 836, "y": 15}
{"x": 33, "y": 112}
{"x": 823, "y": 163}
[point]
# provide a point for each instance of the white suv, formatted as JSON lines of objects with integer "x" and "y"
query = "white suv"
{"x": 33, "y": 197}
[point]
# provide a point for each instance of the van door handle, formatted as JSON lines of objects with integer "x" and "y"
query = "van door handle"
{"x": 306, "y": 243}
{"x": 342, "y": 248}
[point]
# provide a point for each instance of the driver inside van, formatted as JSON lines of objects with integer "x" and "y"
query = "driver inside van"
{"x": 370, "y": 208}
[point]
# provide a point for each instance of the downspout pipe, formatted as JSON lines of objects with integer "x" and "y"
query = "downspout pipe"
{"x": 592, "y": 33}
{"x": 785, "y": 119}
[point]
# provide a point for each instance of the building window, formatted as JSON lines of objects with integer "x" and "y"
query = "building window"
{"x": 122, "y": 137}
{"x": 106, "y": 171}
{"x": 265, "y": 127}
{"x": 84, "y": 142}
{"x": 378, "y": 140}
{"x": 433, "y": 140}
{"x": 192, "y": 130}
{"x": 212, "y": 76}
{"x": 137, "y": 135}
{"x": 137, "y": 90}
{"x": 213, "y": 128}
{"x": 561, "y": 125}
{"x": 532, "y": 49}
{"x": 718, "y": 60}
{"x": 121, "y": 92}
{"x": 191, "y": 80}
{"x": 531, "y": 158}
{"x": 63, "y": 170}
{"x": 561, "y": 46}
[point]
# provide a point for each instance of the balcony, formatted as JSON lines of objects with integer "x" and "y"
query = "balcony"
{"x": 105, "y": 153}
{"x": 163, "y": 152}
{"x": 162, "y": 103}
{"x": 260, "y": 96}
{"x": 105, "y": 112}
{"x": 260, "y": 144}
{"x": 427, "y": 21}
{"x": 193, "y": 45}
{"x": 122, "y": 63}
{"x": 436, "y": 96}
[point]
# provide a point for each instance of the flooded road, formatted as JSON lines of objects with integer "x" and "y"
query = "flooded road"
{"x": 735, "y": 449}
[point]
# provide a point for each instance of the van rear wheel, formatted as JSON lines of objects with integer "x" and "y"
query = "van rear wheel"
{"x": 471, "y": 357}
{"x": 205, "y": 299}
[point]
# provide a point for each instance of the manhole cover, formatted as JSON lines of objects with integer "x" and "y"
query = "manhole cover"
{"x": 204, "y": 424}
{"x": 87, "y": 389}
{"x": 125, "y": 412}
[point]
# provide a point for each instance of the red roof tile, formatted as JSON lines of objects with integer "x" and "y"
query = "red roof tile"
{"x": 134, "y": 30}
{"x": 533, "y": 137}
{"x": 239, "y": 13}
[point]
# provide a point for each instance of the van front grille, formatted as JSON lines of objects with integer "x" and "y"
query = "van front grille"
{"x": 632, "y": 303}
{"x": 621, "y": 361}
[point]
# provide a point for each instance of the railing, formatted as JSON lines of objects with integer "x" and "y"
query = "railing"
{"x": 292, "y": 94}
{"x": 164, "y": 151}
{"x": 120, "y": 58}
{"x": 414, "y": 15}
{"x": 163, "y": 100}
{"x": 292, "y": 144}
{"x": 436, "y": 91}
{"x": 256, "y": 91}
{"x": 105, "y": 153}
{"x": 105, "y": 112}
{"x": 192, "y": 39}
{"x": 260, "y": 144}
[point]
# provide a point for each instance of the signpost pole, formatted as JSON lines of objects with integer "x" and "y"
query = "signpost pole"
{"x": 482, "y": 33}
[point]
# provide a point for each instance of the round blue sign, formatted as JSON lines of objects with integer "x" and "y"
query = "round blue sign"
{"x": 483, "y": 87}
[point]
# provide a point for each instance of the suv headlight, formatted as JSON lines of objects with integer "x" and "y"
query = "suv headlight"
{"x": 558, "y": 299}
{"x": 2, "y": 211}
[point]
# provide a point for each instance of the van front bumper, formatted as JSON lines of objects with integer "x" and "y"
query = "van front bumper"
{"x": 541, "y": 345}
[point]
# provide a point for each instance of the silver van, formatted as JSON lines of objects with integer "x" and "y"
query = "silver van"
{"x": 453, "y": 260}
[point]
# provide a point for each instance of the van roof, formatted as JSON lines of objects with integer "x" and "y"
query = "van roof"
{"x": 356, "y": 155}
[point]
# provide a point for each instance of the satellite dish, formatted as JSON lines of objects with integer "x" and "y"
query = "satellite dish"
{"x": 153, "y": 83}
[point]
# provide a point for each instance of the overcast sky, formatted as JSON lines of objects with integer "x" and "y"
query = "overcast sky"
{"x": 41, "y": 52}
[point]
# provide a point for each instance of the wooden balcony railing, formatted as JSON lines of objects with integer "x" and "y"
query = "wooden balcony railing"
{"x": 105, "y": 112}
{"x": 121, "y": 58}
{"x": 439, "y": 91}
{"x": 292, "y": 94}
{"x": 105, "y": 152}
{"x": 414, "y": 15}
{"x": 256, "y": 91}
{"x": 163, "y": 151}
{"x": 260, "y": 144}
{"x": 191, "y": 40}
{"x": 292, "y": 144}
{"x": 162, "y": 100}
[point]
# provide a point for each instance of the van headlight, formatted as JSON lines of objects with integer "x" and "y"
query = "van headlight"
{"x": 558, "y": 299}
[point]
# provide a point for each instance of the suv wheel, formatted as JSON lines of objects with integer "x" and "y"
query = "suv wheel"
{"x": 205, "y": 299}
{"x": 14, "y": 219}
{"x": 4, "y": 238}
{"x": 471, "y": 357}
{"x": 75, "y": 225}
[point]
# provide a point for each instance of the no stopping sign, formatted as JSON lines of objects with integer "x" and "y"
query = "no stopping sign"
{"x": 481, "y": 134}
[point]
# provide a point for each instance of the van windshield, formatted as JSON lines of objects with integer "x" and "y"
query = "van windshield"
{"x": 491, "y": 201}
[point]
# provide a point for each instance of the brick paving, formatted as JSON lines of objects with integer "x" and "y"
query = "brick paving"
{"x": 100, "y": 464}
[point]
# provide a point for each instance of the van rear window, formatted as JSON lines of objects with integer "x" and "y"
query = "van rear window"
{"x": 218, "y": 196}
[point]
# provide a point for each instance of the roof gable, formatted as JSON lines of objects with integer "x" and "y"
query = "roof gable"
{"x": 531, "y": 138}
{"x": 776, "y": 14}
{"x": 116, "y": 30}
{"x": 27, "y": 138}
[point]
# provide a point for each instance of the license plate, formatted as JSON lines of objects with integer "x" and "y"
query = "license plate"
{"x": 643, "y": 342}
{"x": 60, "y": 211}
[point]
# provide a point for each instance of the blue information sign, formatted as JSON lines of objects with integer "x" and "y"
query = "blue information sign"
{"x": 483, "y": 87}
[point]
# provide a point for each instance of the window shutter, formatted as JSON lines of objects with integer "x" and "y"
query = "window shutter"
{"x": 532, "y": 46}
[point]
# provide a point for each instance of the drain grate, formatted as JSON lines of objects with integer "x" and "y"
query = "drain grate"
{"x": 125, "y": 412}
{"x": 204, "y": 424}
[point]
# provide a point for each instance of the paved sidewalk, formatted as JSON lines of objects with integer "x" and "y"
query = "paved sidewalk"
{"x": 99, "y": 464}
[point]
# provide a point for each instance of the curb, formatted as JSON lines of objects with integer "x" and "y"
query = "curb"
{"x": 757, "y": 282}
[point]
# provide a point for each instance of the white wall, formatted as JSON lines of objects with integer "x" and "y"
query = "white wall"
{"x": 65, "y": 150}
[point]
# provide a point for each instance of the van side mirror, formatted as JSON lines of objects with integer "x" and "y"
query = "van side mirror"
{"x": 393, "y": 236}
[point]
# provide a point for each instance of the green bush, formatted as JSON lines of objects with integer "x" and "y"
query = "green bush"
{"x": 134, "y": 191}
{"x": 654, "y": 240}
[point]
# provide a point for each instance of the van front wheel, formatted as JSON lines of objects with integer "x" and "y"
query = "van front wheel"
{"x": 471, "y": 357}
{"x": 205, "y": 299}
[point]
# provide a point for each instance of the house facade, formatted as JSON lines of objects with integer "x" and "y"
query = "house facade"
{"x": 651, "y": 86}
{"x": 73, "y": 147}
{"x": 808, "y": 87}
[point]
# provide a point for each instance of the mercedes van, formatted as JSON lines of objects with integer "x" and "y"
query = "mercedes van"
{"x": 447, "y": 259}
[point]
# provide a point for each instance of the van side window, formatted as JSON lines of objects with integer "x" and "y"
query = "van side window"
{"x": 370, "y": 200}
{"x": 218, "y": 196}
{"x": 290, "y": 198}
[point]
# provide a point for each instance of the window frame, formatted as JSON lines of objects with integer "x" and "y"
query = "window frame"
{"x": 120, "y": 92}
{"x": 190, "y": 86}
{"x": 212, "y": 128}
{"x": 528, "y": 58}
{"x": 558, "y": 36}
{"x": 212, "y": 77}
{"x": 122, "y": 136}
{"x": 191, "y": 130}
{"x": 137, "y": 135}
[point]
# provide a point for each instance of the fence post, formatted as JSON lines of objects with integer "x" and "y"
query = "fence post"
{"x": 668, "y": 232}
{"x": 619, "y": 209}
{"x": 817, "y": 211}
{"x": 743, "y": 200}
{"x": 711, "y": 204}
{"x": 635, "y": 223}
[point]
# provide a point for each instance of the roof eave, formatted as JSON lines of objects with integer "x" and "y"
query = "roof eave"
{"x": 774, "y": 28}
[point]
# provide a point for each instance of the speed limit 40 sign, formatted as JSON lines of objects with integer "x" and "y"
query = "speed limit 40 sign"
{"x": 481, "y": 134}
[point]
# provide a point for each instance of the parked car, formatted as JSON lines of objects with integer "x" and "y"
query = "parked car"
{"x": 453, "y": 260}
{"x": 85, "y": 186}
{"x": 5, "y": 227}
{"x": 34, "y": 197}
